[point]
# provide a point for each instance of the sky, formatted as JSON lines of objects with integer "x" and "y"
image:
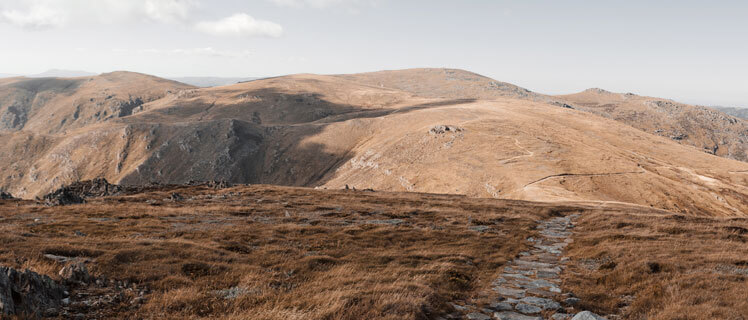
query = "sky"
{"x": 691, "y": 51}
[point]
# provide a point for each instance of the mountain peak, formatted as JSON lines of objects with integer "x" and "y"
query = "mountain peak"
{"x": 60, "y": 73}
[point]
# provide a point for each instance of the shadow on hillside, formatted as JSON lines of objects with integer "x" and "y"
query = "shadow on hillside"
{"x": 259, "y": 139}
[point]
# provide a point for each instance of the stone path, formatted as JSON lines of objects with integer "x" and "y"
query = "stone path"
{"x": 529, "y": 286}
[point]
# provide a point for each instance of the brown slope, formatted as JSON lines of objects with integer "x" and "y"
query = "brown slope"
{"x": 522, "y": 150}
{"x": 53, "y": 105}
{"x": 704, "y": 128}
{"x": 331, "y": 131}
{"x": 712, "y": 131}
{"x": 447, "y": 83}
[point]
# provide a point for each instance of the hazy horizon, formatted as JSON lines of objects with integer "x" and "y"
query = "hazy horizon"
{"x": 689, "y": 52}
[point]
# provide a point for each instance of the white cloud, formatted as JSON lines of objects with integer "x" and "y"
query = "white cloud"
{"x": 37, "y": 17}
{"x": 242, "y": 25}
{"x": 44, "y": 14}
{"x": 322, "y": 3}
{"x": 168, "y": 11}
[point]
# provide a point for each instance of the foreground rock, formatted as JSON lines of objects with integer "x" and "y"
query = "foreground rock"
{"x": 586, "y": 315}
{"x": 29, "y": 294}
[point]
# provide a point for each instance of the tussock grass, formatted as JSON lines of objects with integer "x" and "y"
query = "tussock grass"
{"x": 660, "y": 266}
{"x": 285, "y": 253}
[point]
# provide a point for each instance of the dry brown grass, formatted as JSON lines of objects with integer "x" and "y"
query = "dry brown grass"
{"x": 294, "y": 253}
{"x": 660, "y": 266}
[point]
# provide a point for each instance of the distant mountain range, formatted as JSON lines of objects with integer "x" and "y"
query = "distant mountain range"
{"x": 205, "y": 82}
{"x": 59, "y": 73}
{"x": 52, "y": 73}
{"x": 741, "y": 113}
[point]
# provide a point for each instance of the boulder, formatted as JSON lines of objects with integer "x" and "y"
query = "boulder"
{"x": 28, "y": 293}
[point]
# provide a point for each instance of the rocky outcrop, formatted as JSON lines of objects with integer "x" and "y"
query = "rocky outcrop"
{"x": 442, "y": 129}
{"x": 126, "y": 108}
{"x": 14, "y": 118}
{"x": 29, "y": 294}
{"x": 77, "y": 192}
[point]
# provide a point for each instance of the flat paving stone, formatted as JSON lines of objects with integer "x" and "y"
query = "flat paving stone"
{"x": 510, "y": 292}
{"x": 509, "y": 315}
{"x": 586, "y": 315}
{"x": 543, "y": 303}
{"x": 478, "y": 316}
{"x": 527, "y": 308}
{"x": 501, "y": 306}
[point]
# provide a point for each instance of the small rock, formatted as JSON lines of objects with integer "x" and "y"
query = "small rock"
{"x": 478, "y": 316}
{"x": 527, "y": 309}
{"x": 501, "y": 306}
{"x": 80, "y": 234}
{"x": 545, "y": 304}
{"x": 515, "y": 293}
{"x": 176, "y": 197}
{"x": 5, "y": 196}
{"x": 59, "y": 259}
{"x": 393, "y": 222}
{"x": 459, "y": 307}
{"x": 586, "y": 315}
{"x": 75, "y": 272}
{"x": 561, "y": 316}
{"x": 571, "y": 301}
{"x": 508, "y": 315}
{"x": 479, "y": 228}
{"x": 231, "y": 293}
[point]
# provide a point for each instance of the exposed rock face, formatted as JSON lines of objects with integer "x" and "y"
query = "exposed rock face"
{"x": 78, "y": 191}
{"x": 126, "y": 108}
{"x": 441, "y": 129}
{"x": 712, "y": 131}
{"x": 28, "y": 293}
{"x": 5, "y": 196}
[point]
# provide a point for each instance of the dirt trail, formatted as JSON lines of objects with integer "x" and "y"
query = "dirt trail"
{"x": 529, "y": 153}
{"x": 583, "y": 175}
